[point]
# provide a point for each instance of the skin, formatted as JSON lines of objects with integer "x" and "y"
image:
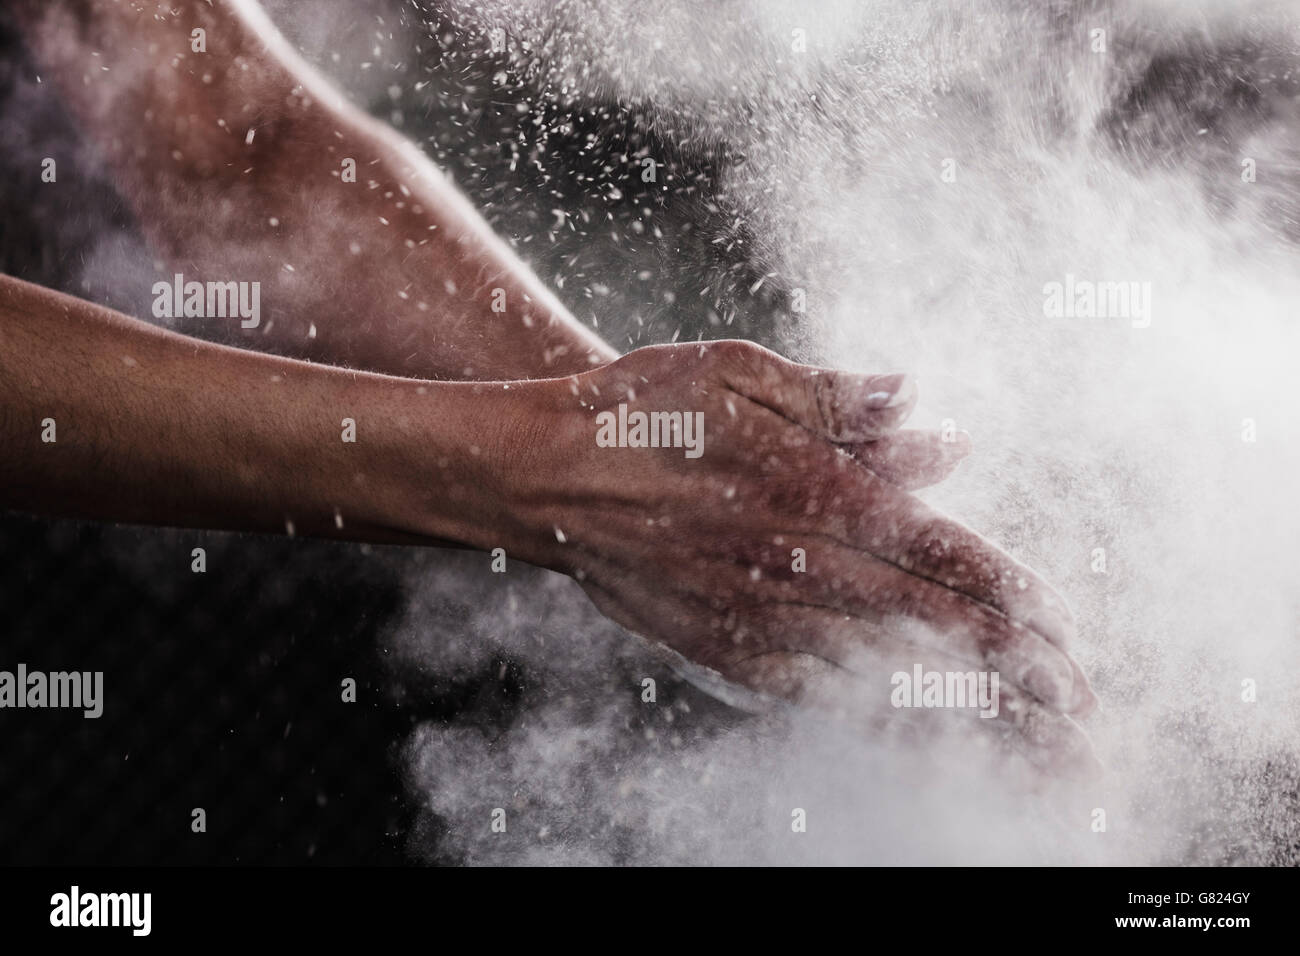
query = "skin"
{"x": 170, "y": 124}
{"x": 394, "y": 273}
{"x": 155, "y": 427}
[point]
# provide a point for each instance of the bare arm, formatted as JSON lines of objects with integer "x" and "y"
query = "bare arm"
{"x": 108, "y": 417}
{"x": 235, "y": 161}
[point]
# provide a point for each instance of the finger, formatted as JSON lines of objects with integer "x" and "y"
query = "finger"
{"x": 1088, "y": 701}
{"x": 842, "y": 578}
{"x": 861, "y": 509}
{"x": 912, "y": 459}
{"x": 869, "y": 696}
{"x": 902, "y": 530}
{"x": 957, "y": 620}
{"x": 839, "y": 406}
{"x": 1045, "y": 733}
{"x": 903, "y": 609}
{"x": 838, "y": 640}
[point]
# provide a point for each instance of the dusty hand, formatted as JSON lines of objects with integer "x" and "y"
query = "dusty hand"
{"x": 699, "y": 552}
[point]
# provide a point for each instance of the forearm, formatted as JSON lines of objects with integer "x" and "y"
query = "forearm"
{"x": 234, "y": 161}
{"x": 106, "y": 417}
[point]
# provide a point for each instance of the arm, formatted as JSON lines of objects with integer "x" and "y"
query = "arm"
{"x": 395, "y": 273}
{"x": 233, "y": 161}
{"x": 152, "y": 427}
{"x": 690, "y": 550}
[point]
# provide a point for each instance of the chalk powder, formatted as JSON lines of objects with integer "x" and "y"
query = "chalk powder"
{"x": 1094, "y": 435}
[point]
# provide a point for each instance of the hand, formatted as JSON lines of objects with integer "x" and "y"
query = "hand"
{"x": 698, "y": 552}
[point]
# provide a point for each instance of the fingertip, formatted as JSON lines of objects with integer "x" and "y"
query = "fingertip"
{"x": 950, "y": 451}
{"x": 1057, "y": 624}
{"x": 1050, "y": 688}
{"x": 886, "y": 404}
{"x": 1086, "y": 701}
{"x": 895, "y": 390}
{"x": 961, "y": 444}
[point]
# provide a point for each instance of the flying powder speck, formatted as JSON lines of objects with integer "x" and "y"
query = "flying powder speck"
{"x": 930, "y": 175}
{"x": 1074, "y": 222}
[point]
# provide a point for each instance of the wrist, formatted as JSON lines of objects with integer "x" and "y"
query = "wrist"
{"x": 462, "y": 462}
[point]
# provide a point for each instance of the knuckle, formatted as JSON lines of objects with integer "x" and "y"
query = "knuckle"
{"x": 823, "y": 398}
{"x": 740, "y": 354}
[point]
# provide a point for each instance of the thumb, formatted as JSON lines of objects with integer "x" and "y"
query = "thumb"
{"x": 839, "y": 406}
